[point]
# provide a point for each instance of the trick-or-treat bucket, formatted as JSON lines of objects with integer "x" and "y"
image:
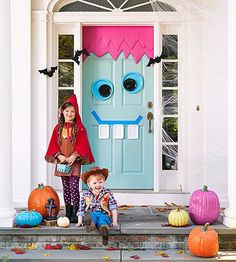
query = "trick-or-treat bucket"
{"x": 63, "y": 168}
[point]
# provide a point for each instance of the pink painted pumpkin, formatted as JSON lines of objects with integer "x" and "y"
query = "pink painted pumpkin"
{"x": 204, "y": 206}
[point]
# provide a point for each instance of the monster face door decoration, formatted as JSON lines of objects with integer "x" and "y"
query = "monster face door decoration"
{"x": 115, "y": 40}
{"x": 117, "y": 87}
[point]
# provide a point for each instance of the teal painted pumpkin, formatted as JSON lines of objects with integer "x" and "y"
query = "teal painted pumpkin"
{"x": 28, "y": 219}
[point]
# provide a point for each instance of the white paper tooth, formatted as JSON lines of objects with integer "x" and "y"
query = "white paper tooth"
{"x": 103, "y": 131}
{"x": 132, "y": 131}
{"x": 118, "y": 131}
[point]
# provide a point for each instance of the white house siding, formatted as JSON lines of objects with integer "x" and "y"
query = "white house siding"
{"x": 205, "y": 84}
{"x": 216, "y": 84}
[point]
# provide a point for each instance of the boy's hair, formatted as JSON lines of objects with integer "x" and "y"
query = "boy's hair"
{"x": 61, "y": 121}
{"x": 98, "y": 176}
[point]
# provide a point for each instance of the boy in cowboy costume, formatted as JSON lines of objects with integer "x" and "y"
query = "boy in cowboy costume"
{"x": 98, "y": 206}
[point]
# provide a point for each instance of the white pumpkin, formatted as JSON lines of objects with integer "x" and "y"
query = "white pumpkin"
{"x": 63, "y": 222}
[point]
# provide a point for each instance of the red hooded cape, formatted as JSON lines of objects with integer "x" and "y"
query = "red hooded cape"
{"x": 81, "y": 145}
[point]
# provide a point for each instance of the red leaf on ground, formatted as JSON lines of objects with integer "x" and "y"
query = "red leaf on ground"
{"x": 18, "y": 251}
{"x": 135, "y": 257}
{"x": 82, "y": 247}
{"x": 49, "y": 247}
{"x": 113, "y": 248}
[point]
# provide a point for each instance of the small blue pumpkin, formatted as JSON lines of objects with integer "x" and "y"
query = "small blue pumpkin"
{"x": 28, "y": 219}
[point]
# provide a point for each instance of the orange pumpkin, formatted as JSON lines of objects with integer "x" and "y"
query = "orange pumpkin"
{"x": 38, "y": 198}
{"x": 203, "y": 241}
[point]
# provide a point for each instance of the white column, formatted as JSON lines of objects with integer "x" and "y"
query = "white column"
{"x": 230, "y": 212}
{"x": 39, "y": 120}
{"x": 7, "y": 212}
{"x": 21, "y": 100}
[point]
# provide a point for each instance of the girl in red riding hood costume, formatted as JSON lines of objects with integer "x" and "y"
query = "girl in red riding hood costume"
{"x": 69, "y": 145}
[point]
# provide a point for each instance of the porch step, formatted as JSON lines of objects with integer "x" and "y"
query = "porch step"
{"x": 104, "y": 255}
{"x": 139, "y": 228}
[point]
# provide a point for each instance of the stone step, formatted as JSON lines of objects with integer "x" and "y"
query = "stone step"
{"x": 129, "y": 235}
{"x": 104, "y": 255}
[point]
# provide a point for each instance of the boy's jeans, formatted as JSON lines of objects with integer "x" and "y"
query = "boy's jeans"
{"x": 99, "y": 218}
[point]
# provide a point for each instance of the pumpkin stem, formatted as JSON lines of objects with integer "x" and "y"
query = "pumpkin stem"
{"x": 41, "y": 186}
{"x": 178, "y": 209}
{"x": 205, "y": 227}
{"x": 204, "y": 189}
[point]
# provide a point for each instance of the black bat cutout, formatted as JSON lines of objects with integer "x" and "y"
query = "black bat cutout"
{"x": 78, "y": 54}
{"x": 48, "y": 72}
{"x": 157, "y": 59}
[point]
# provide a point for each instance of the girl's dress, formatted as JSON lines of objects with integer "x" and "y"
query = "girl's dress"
{"x": 81, "y": 149}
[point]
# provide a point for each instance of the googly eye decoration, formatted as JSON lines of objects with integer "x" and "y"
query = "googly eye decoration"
{"x": 132, "y": 82}
{"x": 102, "y": 89}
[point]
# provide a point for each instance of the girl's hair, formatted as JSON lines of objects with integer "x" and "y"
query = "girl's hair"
{"x": 61, "y": 122}
{"x": 98, "y": 176}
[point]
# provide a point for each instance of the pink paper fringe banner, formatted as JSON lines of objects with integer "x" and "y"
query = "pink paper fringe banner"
{"x": 134, "y": 40}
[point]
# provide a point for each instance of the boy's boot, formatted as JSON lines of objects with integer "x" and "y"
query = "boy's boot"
{"x": 74, "y": 218}
{"x": 104, "y": 230}
{"x": 69, "y": 211}
{"x": 89, "y": 225}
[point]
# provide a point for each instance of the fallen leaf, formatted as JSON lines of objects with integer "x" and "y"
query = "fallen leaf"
{"x": 46, "y": 255}
{"x": 37, "y": 227}
{"x": 165, "y": 225}
{"x": 163, "y": 209}
{"x": 72, "y": 247}
{"x": 106, "y": 258}
{"x": 113, "y": 248}
{"x": 180, "y": 252}
{"x": 82, "y": 247}
{"x": 49, "y": 247}
{"x": 18, "y": 251}
{"x": 135, "y": 257}
{"x": 161, "y": 253}
{"x": 32, "y": 246}
{"x": 124, "y": 207}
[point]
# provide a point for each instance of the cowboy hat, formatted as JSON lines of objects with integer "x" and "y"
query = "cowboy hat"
{"x": 92, "y": 171}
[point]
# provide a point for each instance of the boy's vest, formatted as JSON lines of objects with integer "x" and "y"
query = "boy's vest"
{"x": 103, "y": 201}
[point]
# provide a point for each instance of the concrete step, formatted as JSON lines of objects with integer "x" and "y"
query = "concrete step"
{"x": 104, "y": 255}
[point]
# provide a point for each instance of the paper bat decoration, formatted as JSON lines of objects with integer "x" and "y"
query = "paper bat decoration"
{"x": 157, "y": 59}
{"x": 48, "y": 72}
{"x": 78, "y": 54}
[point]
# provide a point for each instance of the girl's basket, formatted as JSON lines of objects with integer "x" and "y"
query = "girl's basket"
{"x": 63, "y": 168}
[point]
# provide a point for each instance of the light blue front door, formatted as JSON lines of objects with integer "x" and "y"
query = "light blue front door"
{"x": 128, "y": 156}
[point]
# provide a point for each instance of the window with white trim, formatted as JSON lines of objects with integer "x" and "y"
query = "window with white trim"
{"x": 117, "y": 5}
{"x": 170, "y": 102}
{"x": 65, "y": 67}
{"x": 171, "y": 118}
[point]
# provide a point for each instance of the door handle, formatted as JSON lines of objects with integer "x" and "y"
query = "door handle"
{"x": 149, "y": 117}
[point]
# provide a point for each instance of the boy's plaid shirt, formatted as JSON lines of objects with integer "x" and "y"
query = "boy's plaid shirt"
{"x": 95, "y": 204}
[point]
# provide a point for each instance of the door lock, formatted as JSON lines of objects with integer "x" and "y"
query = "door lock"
{"x": 149, "y": 104}
{"x": 150, "y": 118}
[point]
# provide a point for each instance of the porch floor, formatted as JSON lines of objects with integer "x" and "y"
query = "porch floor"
{"x": 132, "y": 220}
